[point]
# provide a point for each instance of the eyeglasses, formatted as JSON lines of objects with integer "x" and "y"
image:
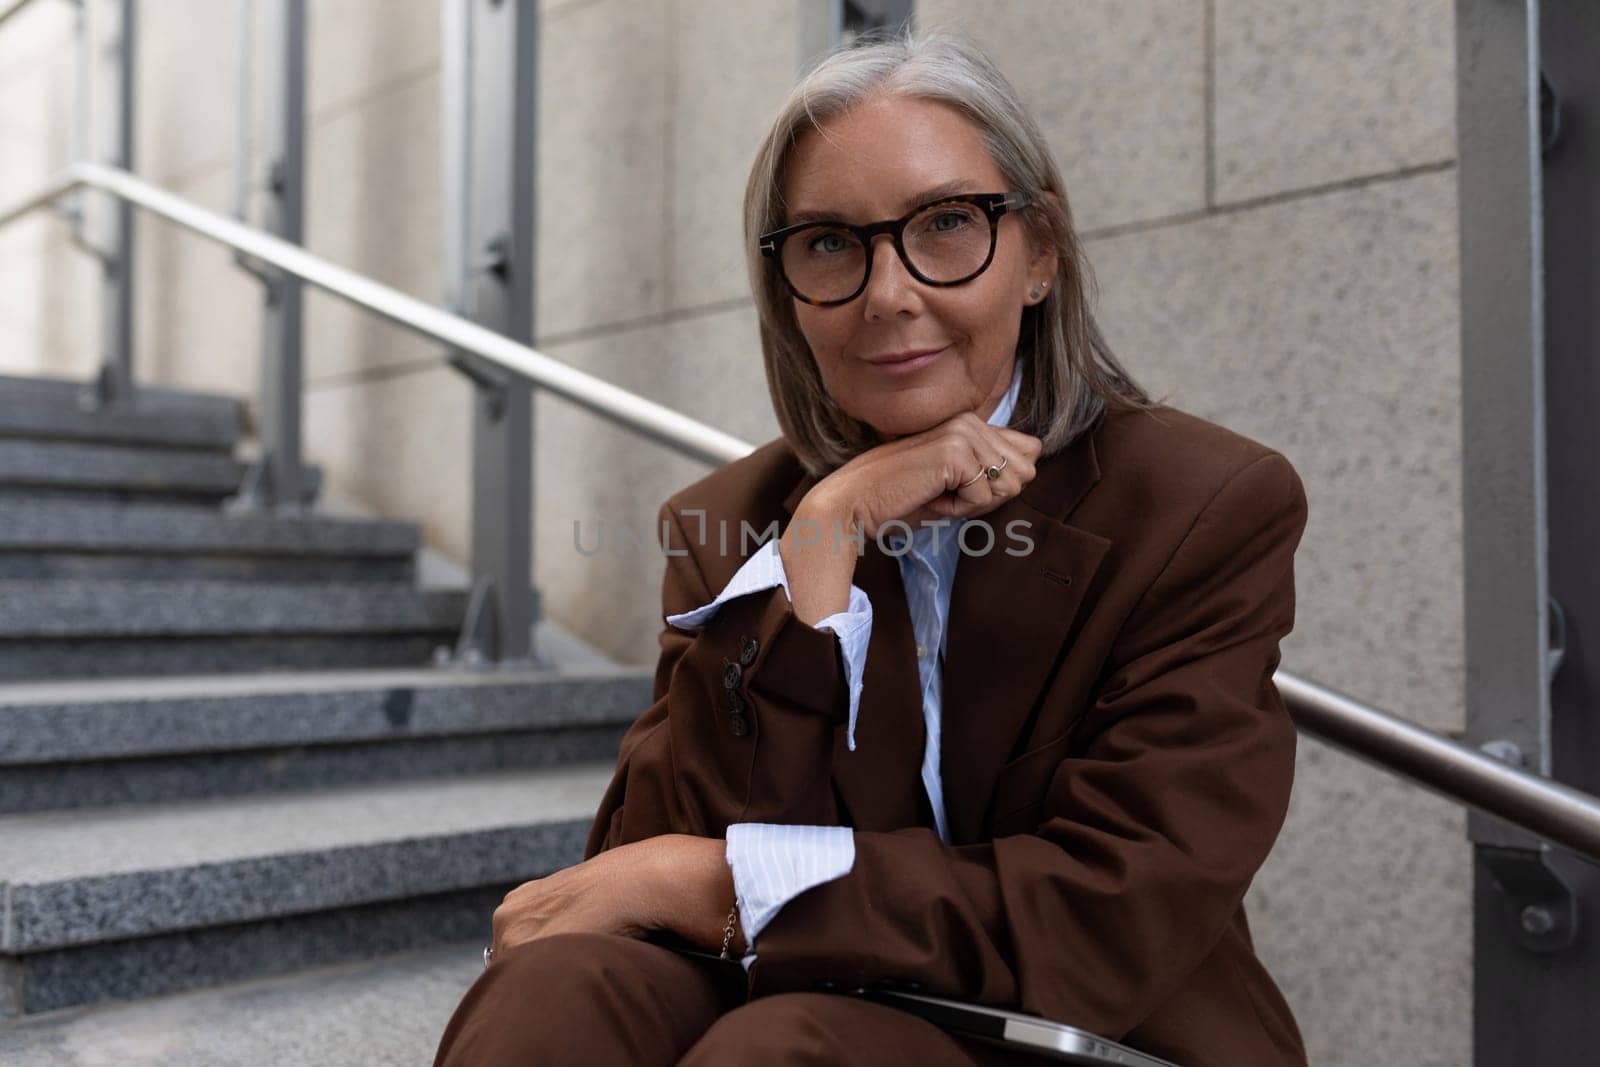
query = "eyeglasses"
{"x": 944, "y": 242}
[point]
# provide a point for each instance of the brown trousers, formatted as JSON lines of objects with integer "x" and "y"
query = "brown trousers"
{"x": 602, "y": 999}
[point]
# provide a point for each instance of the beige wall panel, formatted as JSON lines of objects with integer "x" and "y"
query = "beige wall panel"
{"x": 1309, "y": 92}
{"x": 372, "y": 205}
{"x": 40, "y": 34}
{"x": 197, "y": 317}
{"x": 588, "y": 471}
{"x": 1363, "y": 913}
{"x": 1118, "y": 87}
{"x": 184, "y": 110}
{"x": 35, "y": 120}
{"x": 400, "y": 446}
{"x": 718, "y": 44}
{"x": 604, "y": 121}
{"x": 49, "y": 308}
{"x": 359, "y": 47}
{"x": 1328, "y": 328}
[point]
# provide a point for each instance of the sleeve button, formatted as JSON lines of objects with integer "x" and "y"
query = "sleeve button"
{"x": 748, "y": 647}
{"x": 731, "y": 673}
{"x": 738, "y": 725}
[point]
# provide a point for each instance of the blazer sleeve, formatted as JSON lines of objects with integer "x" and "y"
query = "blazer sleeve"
{"x": 1151, "y": 829}
{"x": 741, "y": 727}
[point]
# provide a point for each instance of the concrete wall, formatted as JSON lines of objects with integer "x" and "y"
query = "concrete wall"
{"x": 1267, "y": 190}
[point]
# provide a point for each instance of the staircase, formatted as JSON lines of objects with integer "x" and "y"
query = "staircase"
{"x": 225, "y": 751}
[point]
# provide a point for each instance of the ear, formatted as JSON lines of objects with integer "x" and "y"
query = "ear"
{"x": 1045, "y": 264}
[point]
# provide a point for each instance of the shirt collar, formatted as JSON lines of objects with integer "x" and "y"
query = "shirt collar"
{"x": 1008, "y": 403}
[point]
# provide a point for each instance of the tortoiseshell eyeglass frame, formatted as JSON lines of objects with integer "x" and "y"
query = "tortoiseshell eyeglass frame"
{"x": 994, "y": 205}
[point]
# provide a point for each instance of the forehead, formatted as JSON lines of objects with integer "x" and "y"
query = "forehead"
{"x": 880, "y": 159}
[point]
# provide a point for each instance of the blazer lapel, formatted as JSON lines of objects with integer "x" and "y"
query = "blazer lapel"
{"x": 1010, "y": 616}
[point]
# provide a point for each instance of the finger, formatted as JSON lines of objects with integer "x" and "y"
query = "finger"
{"x": 980, "y": 492}
{"x": 1015, "y": 471}
{"x": 1021, "y": 451}
{"x": 1025, "y": 443}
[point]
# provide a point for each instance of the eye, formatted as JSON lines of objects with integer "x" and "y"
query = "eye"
{"x": 829, "y": 242}
{"x": 949, "y": 221}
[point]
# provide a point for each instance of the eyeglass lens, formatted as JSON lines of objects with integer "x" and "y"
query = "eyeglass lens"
{"x": 945, "y": 243}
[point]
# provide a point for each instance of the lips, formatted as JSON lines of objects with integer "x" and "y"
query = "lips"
{"x": 890, "y": 359}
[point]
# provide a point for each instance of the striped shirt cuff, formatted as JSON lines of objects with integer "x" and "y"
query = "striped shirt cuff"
{"x": 772, "y": 864}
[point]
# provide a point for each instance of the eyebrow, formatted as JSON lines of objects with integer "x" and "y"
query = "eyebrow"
{"x": 937, "y": 192}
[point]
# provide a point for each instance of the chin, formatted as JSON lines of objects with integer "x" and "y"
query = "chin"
{"x": 903, "y": 422}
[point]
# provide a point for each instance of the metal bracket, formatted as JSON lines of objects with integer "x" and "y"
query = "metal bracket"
{"x": 256, "y": 492}
{"x": 478, "y": 645}
{"x": 480, "y": 637}
{"x": 1549, "y": 116}
{"x": 1486, "y": 830}
{"x": 105, "y": 391}
{"x": 1539, "y": 906}
{"x": 1556, "y": 648}
{"x": 486, "y": 376}
{"x": 496, "y": 259}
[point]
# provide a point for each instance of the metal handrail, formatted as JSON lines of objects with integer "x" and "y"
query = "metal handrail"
{"x": 1542, "y": 806}
{"x": 1556, "y": 812}
{"x": 656, "y": 421}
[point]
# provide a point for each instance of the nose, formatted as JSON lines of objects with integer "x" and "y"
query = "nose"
{"x": 891, "y": 290}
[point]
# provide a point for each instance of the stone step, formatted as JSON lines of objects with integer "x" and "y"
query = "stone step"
{"x": 109, "y": 904}
{"x": 387, "y": 1012}
{"x": 59, "y": 409}
{"x": 134, "y": 741}
{"x": 72, "y": 470}
{"x": 128, "y": 608}
{"x": 64, "y": 539}
{"x": 87, "y": 628}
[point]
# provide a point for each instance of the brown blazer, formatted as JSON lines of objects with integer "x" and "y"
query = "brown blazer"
{"x": 1116, "y": 759}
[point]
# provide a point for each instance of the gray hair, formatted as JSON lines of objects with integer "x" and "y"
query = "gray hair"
{"x": 1069, "y": 372}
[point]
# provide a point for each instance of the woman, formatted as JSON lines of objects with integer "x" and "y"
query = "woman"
{"x": 993, "y": 717}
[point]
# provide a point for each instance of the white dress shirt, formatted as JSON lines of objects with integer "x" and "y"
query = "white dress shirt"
{"x": 772, "y": 864}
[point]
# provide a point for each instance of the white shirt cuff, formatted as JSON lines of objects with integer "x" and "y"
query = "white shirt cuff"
{"x": 772, "y": 864}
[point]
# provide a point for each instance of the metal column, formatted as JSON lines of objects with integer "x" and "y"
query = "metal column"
{"x": 826, "y": 24}
{"x": 489, "y": 79}
{"x": 278, "y": 480}
{"x": 1530, "y": 237}
{"x": 111, "y": 41}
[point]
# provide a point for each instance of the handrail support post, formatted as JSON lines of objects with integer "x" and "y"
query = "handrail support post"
{"x": 110, "y": 35}
{"x": 278, "y": 479}
{"x": 487, "y": 181}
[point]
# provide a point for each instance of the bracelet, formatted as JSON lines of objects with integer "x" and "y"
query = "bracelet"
{"x": 727, "y": 931}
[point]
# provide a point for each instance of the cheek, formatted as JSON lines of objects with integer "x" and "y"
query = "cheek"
{"x": 823, "y": 333}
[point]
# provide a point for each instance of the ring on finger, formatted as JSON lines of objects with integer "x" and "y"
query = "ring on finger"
{"x": 993, "y": 471}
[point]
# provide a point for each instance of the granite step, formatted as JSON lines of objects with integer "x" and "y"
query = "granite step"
{"x": 387, "y": 1012}
{"x": 89, "y": 628}
{"x": 110, "y": 904}
{"x": 75, "y": 470}
{"x": 133, "y": 741}
{"x": 65, "y": 539}
{"x": 60, "y": 409}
